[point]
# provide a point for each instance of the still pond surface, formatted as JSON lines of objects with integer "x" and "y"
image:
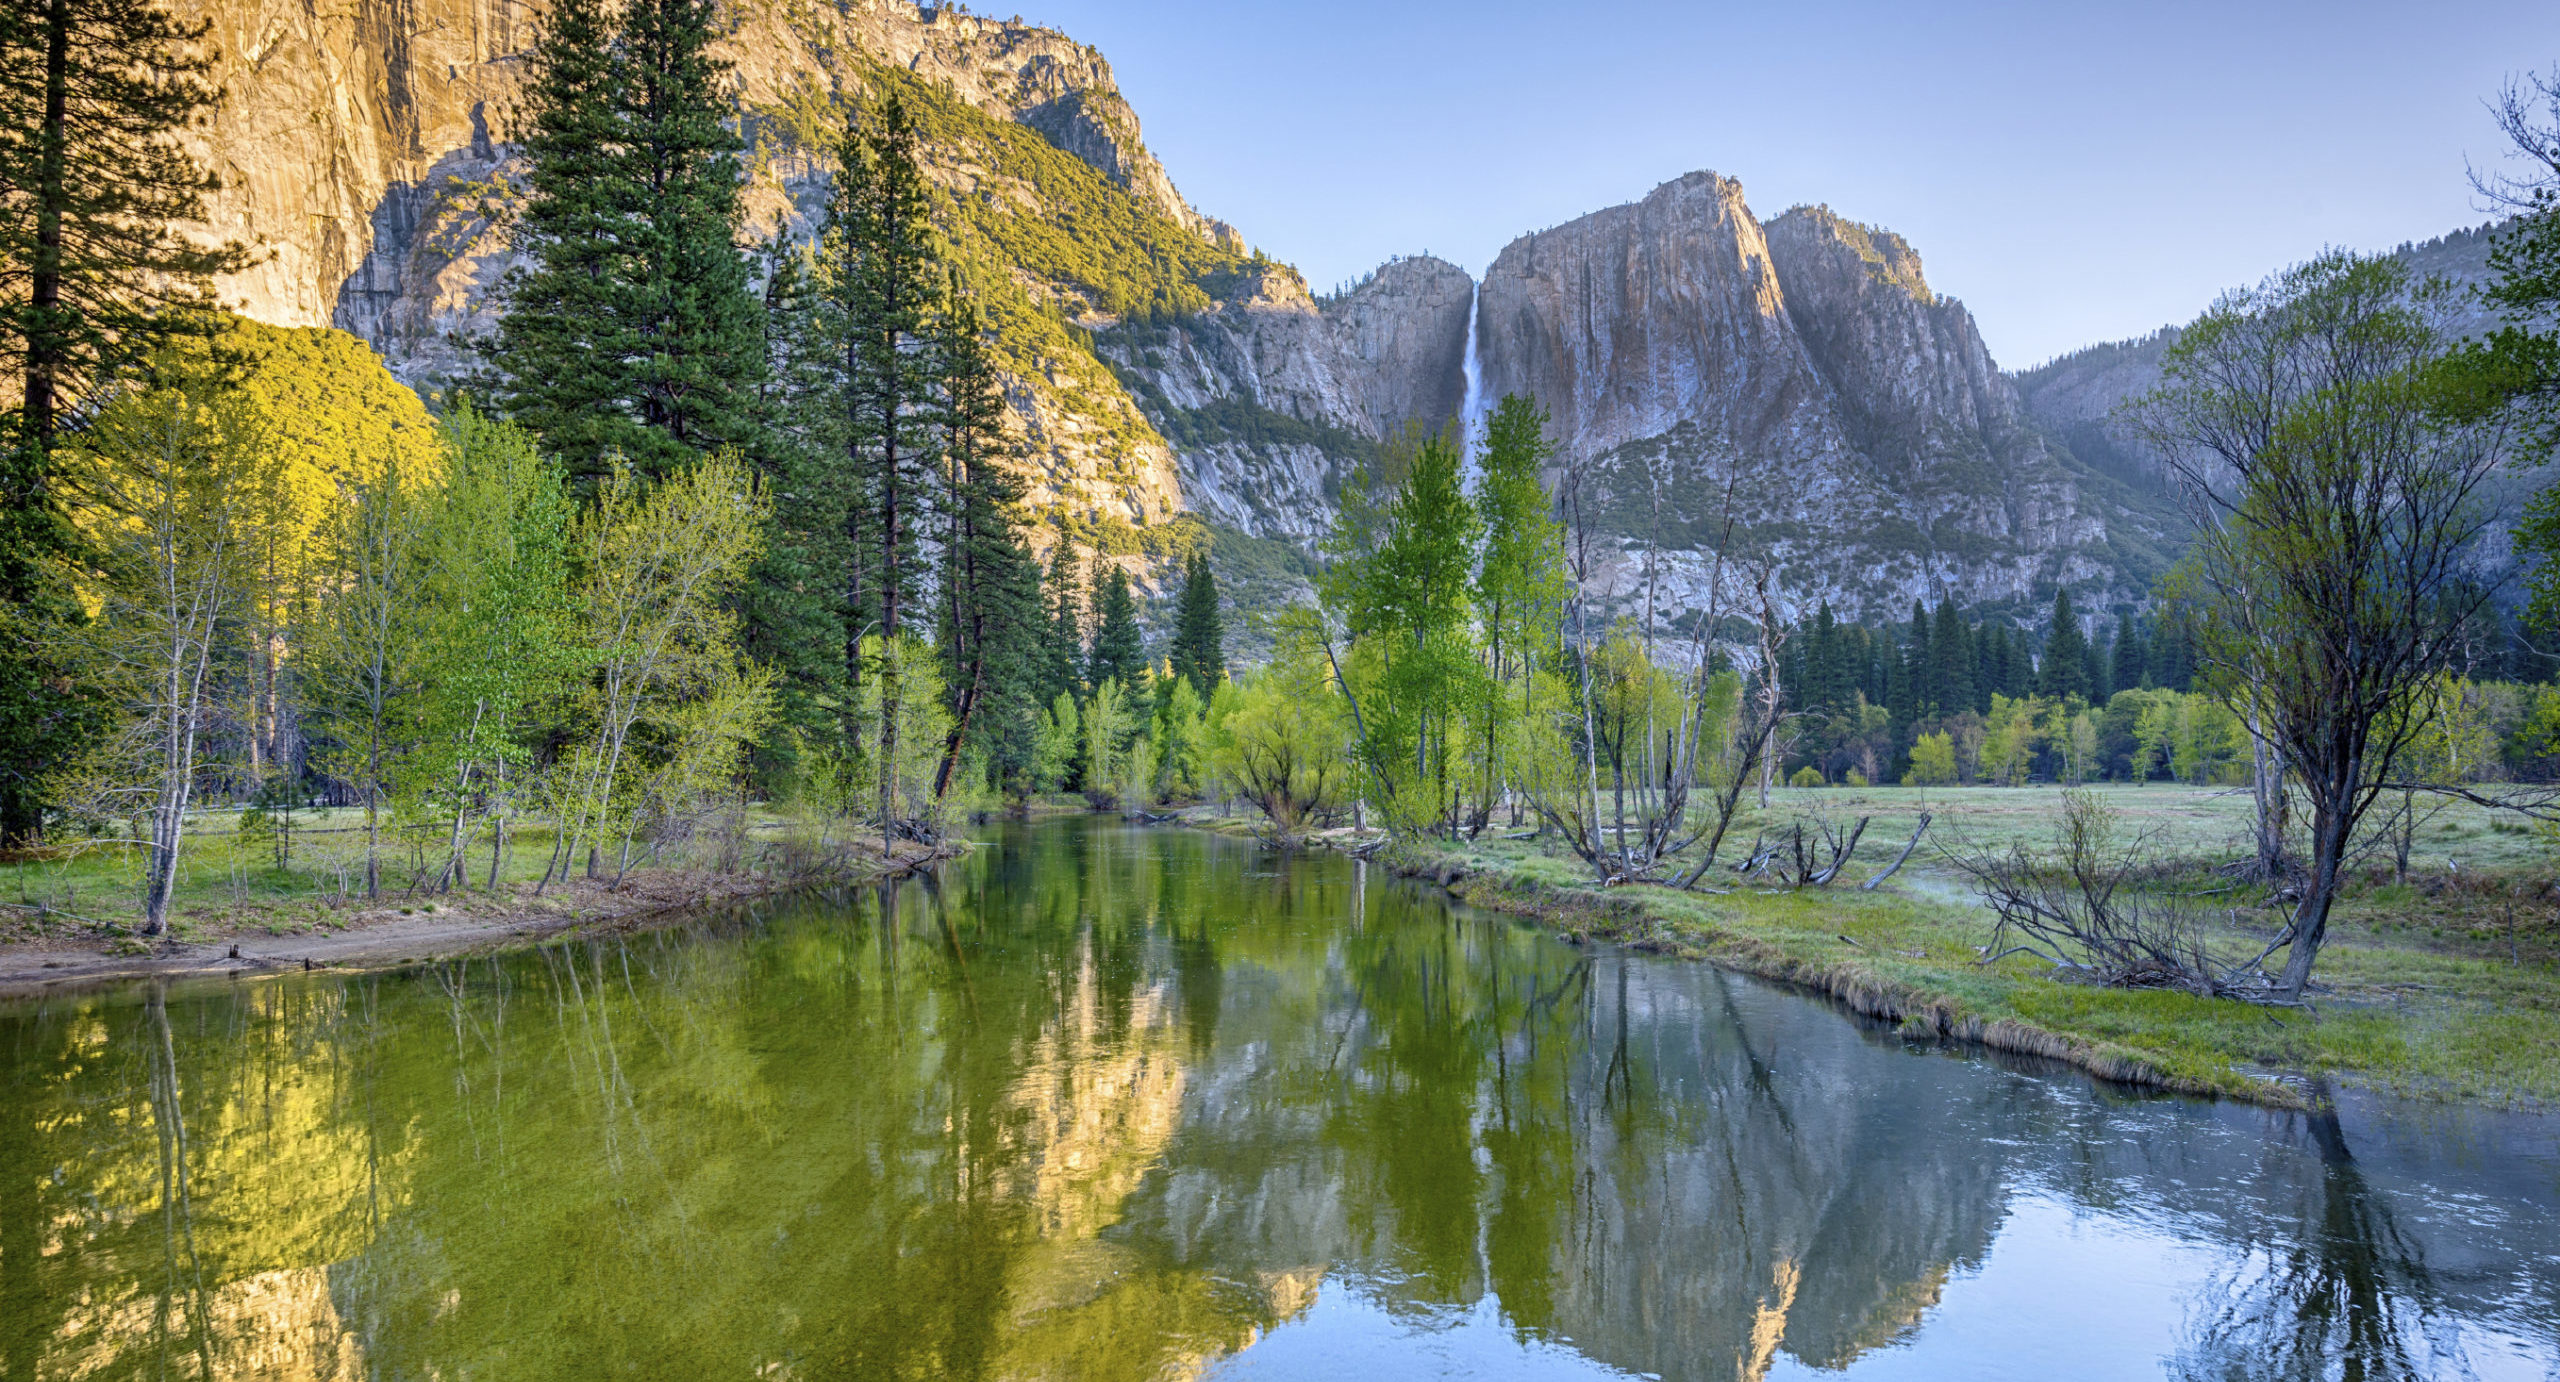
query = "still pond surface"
{"x": 1109, "y": 1103}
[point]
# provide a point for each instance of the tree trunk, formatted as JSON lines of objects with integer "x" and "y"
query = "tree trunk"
{"x": 2266, "y": 786}
{"x": 2329, "y": 826}
{"x": 45, "y": 355}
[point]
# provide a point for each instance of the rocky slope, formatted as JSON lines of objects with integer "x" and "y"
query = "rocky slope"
{"x": 2075, "y": 397}
{"x": 1273, "y": 398}
{"x": 1161, "y": 376}
{"x": 1800, "y": 381}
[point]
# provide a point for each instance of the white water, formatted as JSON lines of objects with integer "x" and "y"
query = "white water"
{"x": 1471, "y": 408}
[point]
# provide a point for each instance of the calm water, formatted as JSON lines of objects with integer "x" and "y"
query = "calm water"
{"x": 1103, "y": 1103}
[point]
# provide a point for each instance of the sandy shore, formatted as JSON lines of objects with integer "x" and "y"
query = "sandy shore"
{"x": 398, "y": 932}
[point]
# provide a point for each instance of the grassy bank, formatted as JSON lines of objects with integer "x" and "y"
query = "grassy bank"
{"x": 2443, "y": 985}
{"x": 74, "y": 910}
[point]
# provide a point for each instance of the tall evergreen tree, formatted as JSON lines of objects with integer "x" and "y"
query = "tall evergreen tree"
{"x": 95, "y": 270}
{"x": 2066, "y": 653}
{"x": 1991, "y": 665}
{"x": 792, "y": 606}
{"x": 2128, "y": 660}
{"x": 2100, "y": 671}
{"x": 1951, "y": 658}
{"x": 1119, "y": 654}
{"x": 1199, "y": 651}
{"x": 1919, "y": 669}
{"x": 1062, "y": 652}
{"x": 990, "y": 588}
{"x": 634, "y": 334}
{"x": 880, "y": 264}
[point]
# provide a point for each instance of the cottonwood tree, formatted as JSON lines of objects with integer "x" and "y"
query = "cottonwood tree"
{"x": 364, "y": 646}
{"x": 500, "y": 635}
{"x": 1404, "y": 567}
{"x": 2336, "y": 479}
{"x": 173, "y": 479}
{"x": 670, "y": 703}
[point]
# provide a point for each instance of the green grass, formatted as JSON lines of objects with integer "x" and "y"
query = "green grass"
{"x": 230, "y": 884}
{"x": 2447, "y": 985}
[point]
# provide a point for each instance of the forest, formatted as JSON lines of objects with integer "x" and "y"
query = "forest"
{"x": 726, "y": 535}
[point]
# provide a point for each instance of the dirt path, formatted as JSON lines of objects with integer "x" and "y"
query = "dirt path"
{"x": 252, "y": 943}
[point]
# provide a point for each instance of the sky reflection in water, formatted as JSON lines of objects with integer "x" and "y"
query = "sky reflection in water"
{"x": 1103, "y": 1103}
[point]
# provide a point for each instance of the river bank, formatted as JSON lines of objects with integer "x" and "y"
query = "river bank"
{"x": 2422, "y": 993}
{"x": 273, "y": 936}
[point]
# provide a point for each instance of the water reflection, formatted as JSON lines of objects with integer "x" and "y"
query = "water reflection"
{"x": 1117, "y": 1104}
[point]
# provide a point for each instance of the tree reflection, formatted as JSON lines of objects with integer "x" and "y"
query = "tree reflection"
{"x": 1097, "y": 1104}
{"x": 2325, "y": 1285}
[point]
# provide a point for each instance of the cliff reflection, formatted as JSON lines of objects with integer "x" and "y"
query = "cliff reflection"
{"x": 1099, "y": 1104}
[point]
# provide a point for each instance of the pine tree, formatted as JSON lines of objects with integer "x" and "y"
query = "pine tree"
{"x": 1991, "y": 665}
{"x": 1951, "y": 656}
{"x": 1062, "y": 652}
{"x": 634, "y": 334}
{"x": 95, "y": 271}
{"x": 1919, "y": 669}
{"x": 1199, "y": 633}
{"x": 793, "y": 605}
{"x": 2128, "y": 661}
{"x": 990, "y": 588}
{"x": 1118, "y": 652}
{"x": 880, "y": 269}
{"x": 2066, "y": 653}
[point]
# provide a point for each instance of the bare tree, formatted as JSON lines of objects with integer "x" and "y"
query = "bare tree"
{"x": 173, "y": 472}
{"x": 2337, "y": 500}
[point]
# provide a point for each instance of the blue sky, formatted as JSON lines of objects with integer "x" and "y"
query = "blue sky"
{"x": 2074, "y": 172}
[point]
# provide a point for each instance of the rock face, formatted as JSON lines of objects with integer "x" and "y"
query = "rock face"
{"x": 1801, "y": 373}
{"x": 1273, "y": 398}
{"x": 1868, "y": 444}
{"x": 2075, "y": 397}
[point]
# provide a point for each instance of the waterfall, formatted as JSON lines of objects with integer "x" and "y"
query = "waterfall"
{"x": 1471, "y": 407}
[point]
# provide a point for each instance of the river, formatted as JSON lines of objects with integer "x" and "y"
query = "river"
{"x": 1112, "y": 1103}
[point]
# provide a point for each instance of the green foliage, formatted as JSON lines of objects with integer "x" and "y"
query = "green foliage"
{"x": 1933, "y": 762}
{"x": 633, "y": 339}
{"x": 1281, "y": 740}
{"x": 1199, "y": 654}
{"x": 1404, "y": 554}
{"x": 1119, "y": 655}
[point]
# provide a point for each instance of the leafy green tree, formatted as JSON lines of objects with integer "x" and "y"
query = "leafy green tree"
{"x": 1283, "y": 741}
{"x": 175, "y": 470}
{"x": 2336, "y": 498}
{"x": 1933, "y": 762}
{"x": 2065, "y": 671}
{"x": 669, "y": 704}
{"x": 1119, "y": 655}
{"x": 96, "y": 269}
{"x": 364, "y": 647}
{"x": 1199, "y": 653}
{"x": 1404, "y": 601}
{"x": 501, "y": 641}
{"x": 1521, "y": 585}
{"x": 634, "y": 335}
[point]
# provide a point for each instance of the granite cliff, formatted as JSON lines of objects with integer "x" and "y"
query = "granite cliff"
{"x": 1162, "y": 376}
{"x": 1869, "y": 445}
